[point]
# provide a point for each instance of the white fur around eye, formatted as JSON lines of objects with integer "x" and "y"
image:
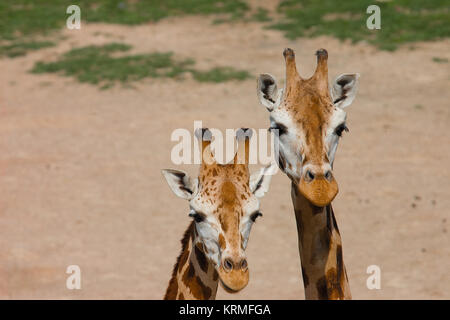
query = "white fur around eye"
{"x": 333, "y": 144}
{"x": 289, "y": 144}
{"x": 209, "y": 236}
{"x": 245, "y": 231}
{"x": 246, "y": 223}
{"x": 332, "y": 139}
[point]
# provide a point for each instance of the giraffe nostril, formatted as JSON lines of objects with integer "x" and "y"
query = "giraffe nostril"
{"x": 328, "y": 175}
{"x": 227, "y": 265}
{"x": 309, "y": 175}
{"x": 244, "y": 264}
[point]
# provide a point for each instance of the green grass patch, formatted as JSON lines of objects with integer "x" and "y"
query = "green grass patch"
{"x": 220, "y": 74}
{"x": 107, "y": 65}
{"x": 17, "y": 49}
{"x": 257, "y": 15}
{"x": 402, "y": 21}
{"x": 137, "y": 12}
{"x": 30, "y": 17}
{"x": 440, "y": 60}
{"x": 261, "y": 15}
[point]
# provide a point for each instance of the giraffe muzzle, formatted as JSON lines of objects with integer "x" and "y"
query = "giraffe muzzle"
{"x": 234, "y": 275}
{"x": 319, "y": 189}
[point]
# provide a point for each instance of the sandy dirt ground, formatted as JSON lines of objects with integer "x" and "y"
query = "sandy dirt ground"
{"x": 80, "y": 179}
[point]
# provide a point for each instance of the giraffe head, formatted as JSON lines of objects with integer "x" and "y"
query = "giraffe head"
{"x": 309, "y": 120}
{"x": 224, "y": 204}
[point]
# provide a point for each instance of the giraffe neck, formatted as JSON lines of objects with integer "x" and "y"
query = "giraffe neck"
{"x": 194, "y": 277}
{"x": 320, "y": 247}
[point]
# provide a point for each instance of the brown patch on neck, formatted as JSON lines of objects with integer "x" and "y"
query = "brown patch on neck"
{"x": 201, "y": 258}
{"x": 305, "y": 277}
{"x": 190, "y": 278}
{"x": 320, "y": 246}
{"x": 330, "y": 286}
{"x": 331, "y": 219}
{"x": 335, "y": 282}
{"x": 198, "y": 289}
{"x": 172, "y": 289}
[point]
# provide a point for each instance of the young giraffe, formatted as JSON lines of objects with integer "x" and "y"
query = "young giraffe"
{"x": 309, "y": 121}
{"x": 224, "y": 204}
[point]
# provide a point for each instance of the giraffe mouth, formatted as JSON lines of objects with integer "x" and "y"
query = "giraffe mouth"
{"x": 227, "y": 288}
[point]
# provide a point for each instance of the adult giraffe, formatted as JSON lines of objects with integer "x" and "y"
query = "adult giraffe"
{"x": 309, "y": 120}
{"x": 224, "y": 204}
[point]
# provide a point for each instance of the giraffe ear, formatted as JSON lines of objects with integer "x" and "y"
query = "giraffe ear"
{"x": 267, "y": 91}
{"x": 180, "y": 183}
{"x": 260, "y": 181}
{"x": 344, "y": 89}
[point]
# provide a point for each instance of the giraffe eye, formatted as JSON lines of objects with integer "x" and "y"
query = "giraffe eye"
{"x": 255, "y": 215}
{"x": 341, "y": 128}
{"x": 198, "y": 217}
